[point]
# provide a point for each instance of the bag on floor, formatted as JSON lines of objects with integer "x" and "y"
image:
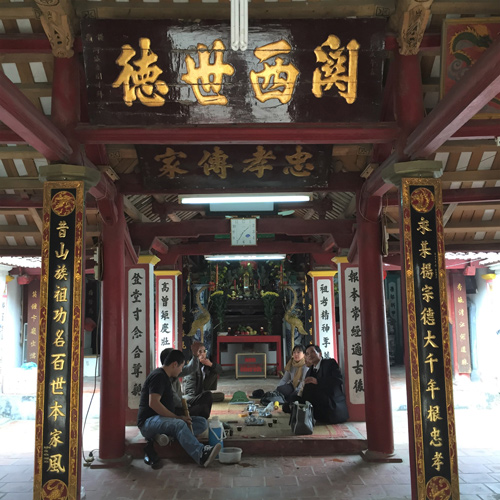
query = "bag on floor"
{"x": 271, "y": 397}
{"x": 302, "y": 419}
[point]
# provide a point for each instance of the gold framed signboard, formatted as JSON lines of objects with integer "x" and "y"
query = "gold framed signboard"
{"x": 57, "y": 430}
{"x": 251, "y": 364}
{"x": 432, "y": 411}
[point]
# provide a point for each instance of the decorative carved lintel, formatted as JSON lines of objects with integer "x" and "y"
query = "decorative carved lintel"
{"x": 409, "y": 22}
{"x": 59, "y": 20}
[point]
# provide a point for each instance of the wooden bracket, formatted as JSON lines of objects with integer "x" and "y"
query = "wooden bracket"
{"x": 409, "y": 22}
{"x": 58, "y": 19}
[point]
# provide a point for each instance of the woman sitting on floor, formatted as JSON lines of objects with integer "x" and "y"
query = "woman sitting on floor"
{"x": 295, "y": 373}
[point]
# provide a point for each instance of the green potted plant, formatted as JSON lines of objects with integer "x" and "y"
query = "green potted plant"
{"x": 269, "y": 300}
{"x": 218, "y": 301}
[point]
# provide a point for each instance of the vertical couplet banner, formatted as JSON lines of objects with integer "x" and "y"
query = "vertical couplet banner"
{"x": 33, "y": 321}
{"x": 324, "y": 313}
{"x": 459, "y": 297}
{"x": 57, "y": 431}
{"x": 350, "y": 314}
{"x": 137, "y": 330}
{"x": 429, "y": 345}
{"x": 166, "y": 311}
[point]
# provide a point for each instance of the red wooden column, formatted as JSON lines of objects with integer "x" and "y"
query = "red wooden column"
{"x": 408, "y": 96}
{"x": 113, "y": 379}
{"x": 374, "y": 335}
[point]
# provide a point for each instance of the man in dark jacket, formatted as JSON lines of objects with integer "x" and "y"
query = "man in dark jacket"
{"x": 204, "y": 378}
{"x": 323, "y": 388}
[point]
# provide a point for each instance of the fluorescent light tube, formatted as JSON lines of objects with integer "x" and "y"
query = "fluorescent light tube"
{"x": 272, "y": 256}
{"x": 242, "y": 198}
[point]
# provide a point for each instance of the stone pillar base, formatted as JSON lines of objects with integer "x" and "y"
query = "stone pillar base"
{"x": 378, "y": 456}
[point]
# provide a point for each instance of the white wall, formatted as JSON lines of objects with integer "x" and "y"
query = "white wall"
{"x": 487, "y": 324}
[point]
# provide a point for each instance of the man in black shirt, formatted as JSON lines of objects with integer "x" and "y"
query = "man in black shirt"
{"x": 157, "y": 412}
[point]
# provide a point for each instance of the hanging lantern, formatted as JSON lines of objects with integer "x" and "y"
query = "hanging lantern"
{"x": 489, "y": 278}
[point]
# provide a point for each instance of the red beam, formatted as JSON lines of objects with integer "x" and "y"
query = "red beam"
{"x": 464, "y": 100}
{"x": 221, "y": 247}
{"x": 23, "y": 44}
{"x": 478, "y": 129}
{"x": 10, "y": 44}
{"x": 474, "y": 129}
{"x": 14, "y": 201}
{"x": 19, "y": 114}
{"x": 195, "y": 228}
{"x": 323, "y": 260}
{"x": 306, "y": 133}
{"x": 34, "y": 201}
{"x": 429, "y": 41}
{"x": 132, "y": 184}
{"x": 7, "y": 136}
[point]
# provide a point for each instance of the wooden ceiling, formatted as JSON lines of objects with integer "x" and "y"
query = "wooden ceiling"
{"x": 471, "y": 159}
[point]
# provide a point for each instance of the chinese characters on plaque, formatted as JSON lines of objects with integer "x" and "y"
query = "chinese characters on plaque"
{"x": 137, "y": 334}
{"x": 326, "y": 317}
{"x": 461, "y": 323}
{"x": 187, "y": 72}
{"x": 191, "y": 167}
{"x": 433, "y": 418}
{"x": 166, "y": 318}
{"x": 351, "y": 317}
{"x": 58, "y": 395}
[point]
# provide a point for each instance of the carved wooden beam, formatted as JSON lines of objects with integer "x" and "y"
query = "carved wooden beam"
{"x": 131, "y": 184}
{"x": 221, "y": 247}
{"x": 197, "y": 228}
{"x": 59, "y": 21}
{"x": 409, "y": 22}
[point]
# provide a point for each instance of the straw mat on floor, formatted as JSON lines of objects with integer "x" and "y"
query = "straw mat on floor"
{"x": 234, "y": 415}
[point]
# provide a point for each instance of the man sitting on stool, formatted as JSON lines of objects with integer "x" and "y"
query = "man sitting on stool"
{"x": 323, "y": 388}
{"x": 200, "y": 406}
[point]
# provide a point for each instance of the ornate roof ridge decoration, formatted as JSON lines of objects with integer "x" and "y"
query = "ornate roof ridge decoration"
{"x": 483, "y": 258}
{"x": 58, "y": 19}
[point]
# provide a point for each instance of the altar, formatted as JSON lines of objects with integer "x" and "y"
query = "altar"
{"x": 273, "y": 341}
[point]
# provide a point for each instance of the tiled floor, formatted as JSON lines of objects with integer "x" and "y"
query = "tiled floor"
{"x": 332, "y": 477}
